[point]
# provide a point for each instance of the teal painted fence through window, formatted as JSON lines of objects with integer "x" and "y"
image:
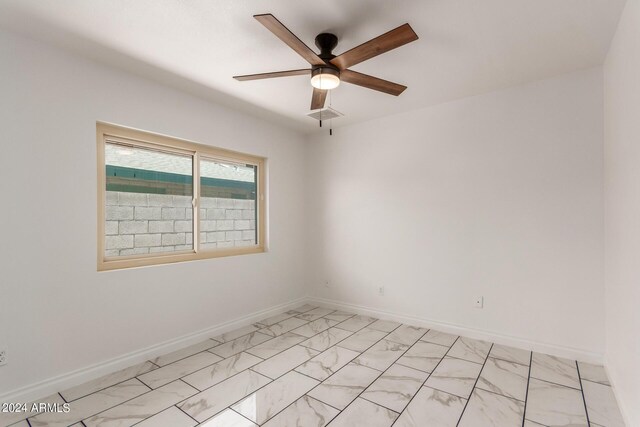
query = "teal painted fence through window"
{"x": 145, "y": 181}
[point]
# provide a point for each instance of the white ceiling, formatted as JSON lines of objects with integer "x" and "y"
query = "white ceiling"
{"x": 466, "y": 47}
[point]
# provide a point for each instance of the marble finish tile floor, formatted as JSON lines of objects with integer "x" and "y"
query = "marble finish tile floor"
{"x": 314, "y": 366}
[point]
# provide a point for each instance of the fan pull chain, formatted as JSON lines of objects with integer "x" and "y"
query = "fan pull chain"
{"x": 331, "y": 119}
{"x": 323, "y": 106}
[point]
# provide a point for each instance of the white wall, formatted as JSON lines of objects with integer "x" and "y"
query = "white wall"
{"x": 622, "y": 211}
{"x": 57, "y": 313}
{"x": 498, "y": 195}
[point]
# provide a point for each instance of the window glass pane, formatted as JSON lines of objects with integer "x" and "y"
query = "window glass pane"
{"x": 227, "y": 204}
{"x": 148, "y": 197}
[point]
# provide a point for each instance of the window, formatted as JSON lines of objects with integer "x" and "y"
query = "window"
{"x": 163, "y": 200}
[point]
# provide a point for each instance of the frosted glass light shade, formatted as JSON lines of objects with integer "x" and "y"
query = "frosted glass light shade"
{"x": 325, "y": 81}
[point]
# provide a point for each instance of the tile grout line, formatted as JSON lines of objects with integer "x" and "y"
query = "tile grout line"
{"x": 378, "y": 404}
{"x": 258, "y": 322}
{"x": 465, "y": 360}
{"x": 229, "y": 377}
{"x": 556, "y": 384}
{"x": 429, "y": 376}
{"x": 290, "y": 370}
{"x": 449, "y": 393}
{"x": 180, "y": 409}
{"x": 206, "y": 350}
{"x": 179, "y": 360}
{"x": 112, "y": 385}
{"x": 246, "y": 350}
{"x": 114, "y": 406}
{"x": 151, "y": 389}
{"x": 306, "y": 322}
{"x": 234, "y": 411}
{"x": 354, "y": 333}
{"x": 322, "y": 351}
{"x": 320, "y": 382}
{"x": 230, "y": 405}
{"x": 325, "y": 403}
{"x": 233, "y": 355}
{"x": 104, "y": 410}
{"x": 233, "y": 403}
{"x": 267, "y": 358}
{"x": 595, "y": 382}
{"x": 499, "y": 394}
{"x": 526, "y": 396}
{"x": 291, "y": 331}
{"x": 474, "y": 386}
{"x": 584, "y": 401}
{"x": 359, "y": 329}
{"x": 152, "y": 415}
{"x": 502, "y": 359}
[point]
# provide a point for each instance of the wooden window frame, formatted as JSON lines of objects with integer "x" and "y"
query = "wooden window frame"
{"x": 109, "y": 132}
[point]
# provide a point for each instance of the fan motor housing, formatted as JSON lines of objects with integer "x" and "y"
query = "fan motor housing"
{"x": 325, "y": 69}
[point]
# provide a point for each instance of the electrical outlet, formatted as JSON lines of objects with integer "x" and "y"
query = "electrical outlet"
{"x": 3, "y": 357}
{"x": 479, "y": 302}
{"x": 380, "y": 290}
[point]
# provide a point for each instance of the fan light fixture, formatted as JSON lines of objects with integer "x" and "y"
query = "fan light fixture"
{"x": 325, "y": 78}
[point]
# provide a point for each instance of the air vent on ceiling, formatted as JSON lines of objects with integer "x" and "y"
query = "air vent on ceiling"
{"x": 324, "y": 114}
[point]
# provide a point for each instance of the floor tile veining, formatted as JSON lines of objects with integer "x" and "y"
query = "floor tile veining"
{"x": 314, "y": 367}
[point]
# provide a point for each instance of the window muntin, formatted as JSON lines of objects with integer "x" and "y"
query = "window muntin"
{"x": 165, "y": 200}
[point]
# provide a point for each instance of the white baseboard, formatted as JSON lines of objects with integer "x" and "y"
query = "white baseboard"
{"x": 64, "y": 381}
{"x": 612, "y": 375}
{"x": 553, "y": 349}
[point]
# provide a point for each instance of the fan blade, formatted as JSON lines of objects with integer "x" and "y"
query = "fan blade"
{"x": 283, "y": 33}
{"x": 318, "y": 98}
{"x": 395, "y": 38}
{"x": 371, "y": 82}
{"x": 273, "y": 74}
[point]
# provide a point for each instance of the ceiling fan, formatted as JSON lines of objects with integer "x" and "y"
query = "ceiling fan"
{"x": 328, "y": 70}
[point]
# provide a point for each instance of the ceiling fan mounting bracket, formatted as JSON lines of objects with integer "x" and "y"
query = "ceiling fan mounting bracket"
{"x": 326, "y": 42}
